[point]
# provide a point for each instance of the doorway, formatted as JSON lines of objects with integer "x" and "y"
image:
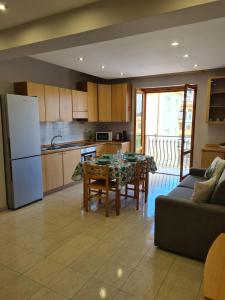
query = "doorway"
{"x": 164, "y": 127}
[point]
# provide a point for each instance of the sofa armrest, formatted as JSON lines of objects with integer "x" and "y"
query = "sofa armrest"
{"x": 187, "y": 228}
{"x": 197, "y": 172}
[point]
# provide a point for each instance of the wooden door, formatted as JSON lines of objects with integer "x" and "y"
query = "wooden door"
{"x": 70, "y": 160}
{"x": 52, "y": 103}
{"x": 65, "y": 97}
{"x": 92, "y": 90}
{"x": 104, "y": 103}
{"x": 139, "y": 123}
{"x": 52, "y": 168}
{"x": 188, "y": 130}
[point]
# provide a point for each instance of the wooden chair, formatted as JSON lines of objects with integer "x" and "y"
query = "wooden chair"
{"x": 98, "y": 185}
{"x": 141, "y": 179}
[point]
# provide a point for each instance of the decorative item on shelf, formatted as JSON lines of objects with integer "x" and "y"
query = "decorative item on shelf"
{"x": 89, "y": 135}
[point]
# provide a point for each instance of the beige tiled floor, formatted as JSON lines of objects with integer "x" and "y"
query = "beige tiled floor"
{"x": 53, "y": 250}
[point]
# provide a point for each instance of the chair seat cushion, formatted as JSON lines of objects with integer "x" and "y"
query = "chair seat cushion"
{"x": 189, "y": 181}
{"x": 102, "y": 183}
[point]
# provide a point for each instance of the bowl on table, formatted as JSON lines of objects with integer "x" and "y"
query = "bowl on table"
{"x": 103, "y": 161}
{"x": 107, "y": 156}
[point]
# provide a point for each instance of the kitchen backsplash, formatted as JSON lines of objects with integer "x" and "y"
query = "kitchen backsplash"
{"x": 74, "y": 131}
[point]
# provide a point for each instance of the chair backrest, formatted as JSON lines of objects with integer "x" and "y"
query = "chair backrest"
{"x": 95, "y": 172}
{"x": 141, "y": 169}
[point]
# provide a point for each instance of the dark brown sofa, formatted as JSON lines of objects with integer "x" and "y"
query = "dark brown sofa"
{"x": 188, "y": 228}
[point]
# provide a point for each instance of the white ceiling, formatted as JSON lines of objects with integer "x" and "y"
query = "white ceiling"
{"x": 150, "y": 53}
{"x": 23, "y": 11}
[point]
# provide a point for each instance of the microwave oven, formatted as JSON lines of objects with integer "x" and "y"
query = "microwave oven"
{"x": 103, "y": 136}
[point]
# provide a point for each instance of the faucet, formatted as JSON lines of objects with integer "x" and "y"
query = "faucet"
{"x": 52, "y": 140}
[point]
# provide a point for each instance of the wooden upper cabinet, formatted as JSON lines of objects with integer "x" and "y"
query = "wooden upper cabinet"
{"x": 52, "y": 103}
{"x": 104, "y": 103}
{"x": 80, "y": 104}
{"x": 65, "y": 97}
{"x": 92, "y": 94}
{"x": 33, "y": 89}
{"x": 121, "y": 102}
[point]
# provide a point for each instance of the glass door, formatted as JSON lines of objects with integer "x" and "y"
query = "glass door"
{"x": 187, "y": 140}
{"x": 140, "y": 122}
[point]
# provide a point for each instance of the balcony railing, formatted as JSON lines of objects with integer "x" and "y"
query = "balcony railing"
{"x": 167, "y": 152}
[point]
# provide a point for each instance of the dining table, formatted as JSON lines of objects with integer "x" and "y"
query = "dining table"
{"x": 120, "y": 167}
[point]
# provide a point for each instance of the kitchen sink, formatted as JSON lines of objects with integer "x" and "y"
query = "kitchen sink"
{"x": 63, "y": 146}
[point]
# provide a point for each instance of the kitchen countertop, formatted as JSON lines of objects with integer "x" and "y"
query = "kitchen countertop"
{"x": 77, "y": 145}
{"x": 213, "y": 148}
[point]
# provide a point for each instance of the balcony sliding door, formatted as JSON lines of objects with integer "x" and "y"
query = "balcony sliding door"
{"x": 188, "y": 128}
{"x": 164, "y": 126}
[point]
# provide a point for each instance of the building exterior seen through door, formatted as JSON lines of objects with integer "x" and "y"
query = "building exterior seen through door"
{"x": 164, "y": 127}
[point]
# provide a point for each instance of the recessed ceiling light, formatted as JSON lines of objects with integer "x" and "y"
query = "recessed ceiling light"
{"x": 103, "y": 67}
{"x": 196, "y": 65}
{"x": 80, "y": 59}
{"x": 2, "y": 7}
{"x": 175, "y": 44}
{"x": 121, "y": 73}
{"x": 186, "y": 55}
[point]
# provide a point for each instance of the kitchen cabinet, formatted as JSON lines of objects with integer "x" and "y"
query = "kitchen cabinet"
{"x": 125, "y": 146}
{"x": 113, "y": 147}
{"x": 104, "y": 103}
{"x": 121, "y": 102}
{"x": 80, "y": 104}
{"x": 209, "y": 152}
{"x": 70, "y": 160}
{"x": 52, "y": 171}
{"x": 65, "y": 105}
{"x": 33, "y": 89}
{"x": 52, "y": 103}
{"x": 100, "y": 149}
{"x": 92, "y": 95}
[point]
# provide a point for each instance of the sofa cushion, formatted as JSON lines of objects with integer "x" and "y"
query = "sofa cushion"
{"x": 203, "y": 190}
{"x": 215, "y": 169}
{"x": 218, "y": 196}
{"x": 181, "y": 192}
{"x": 190, "y": 180}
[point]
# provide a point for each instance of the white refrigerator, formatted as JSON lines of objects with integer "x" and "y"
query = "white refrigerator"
{"x": 22, "y": 150}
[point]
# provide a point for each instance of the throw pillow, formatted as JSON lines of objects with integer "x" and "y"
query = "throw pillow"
{"x": 203, "y": 190}
{"x": 215, "y": 169}
{"x": 218, "y": 196}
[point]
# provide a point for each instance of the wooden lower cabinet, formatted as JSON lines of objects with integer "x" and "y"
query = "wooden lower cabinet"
{"x": 70, "y": 160}
{"x": 126, "y": 147}
{"x": 113, "y": 147}
{"x": 100, "y": 149}
{"x": 52, "y": 170}
{"x": 209, "y": 153}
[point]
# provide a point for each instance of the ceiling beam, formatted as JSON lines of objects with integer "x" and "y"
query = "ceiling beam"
{"x": 101, "y": 21}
